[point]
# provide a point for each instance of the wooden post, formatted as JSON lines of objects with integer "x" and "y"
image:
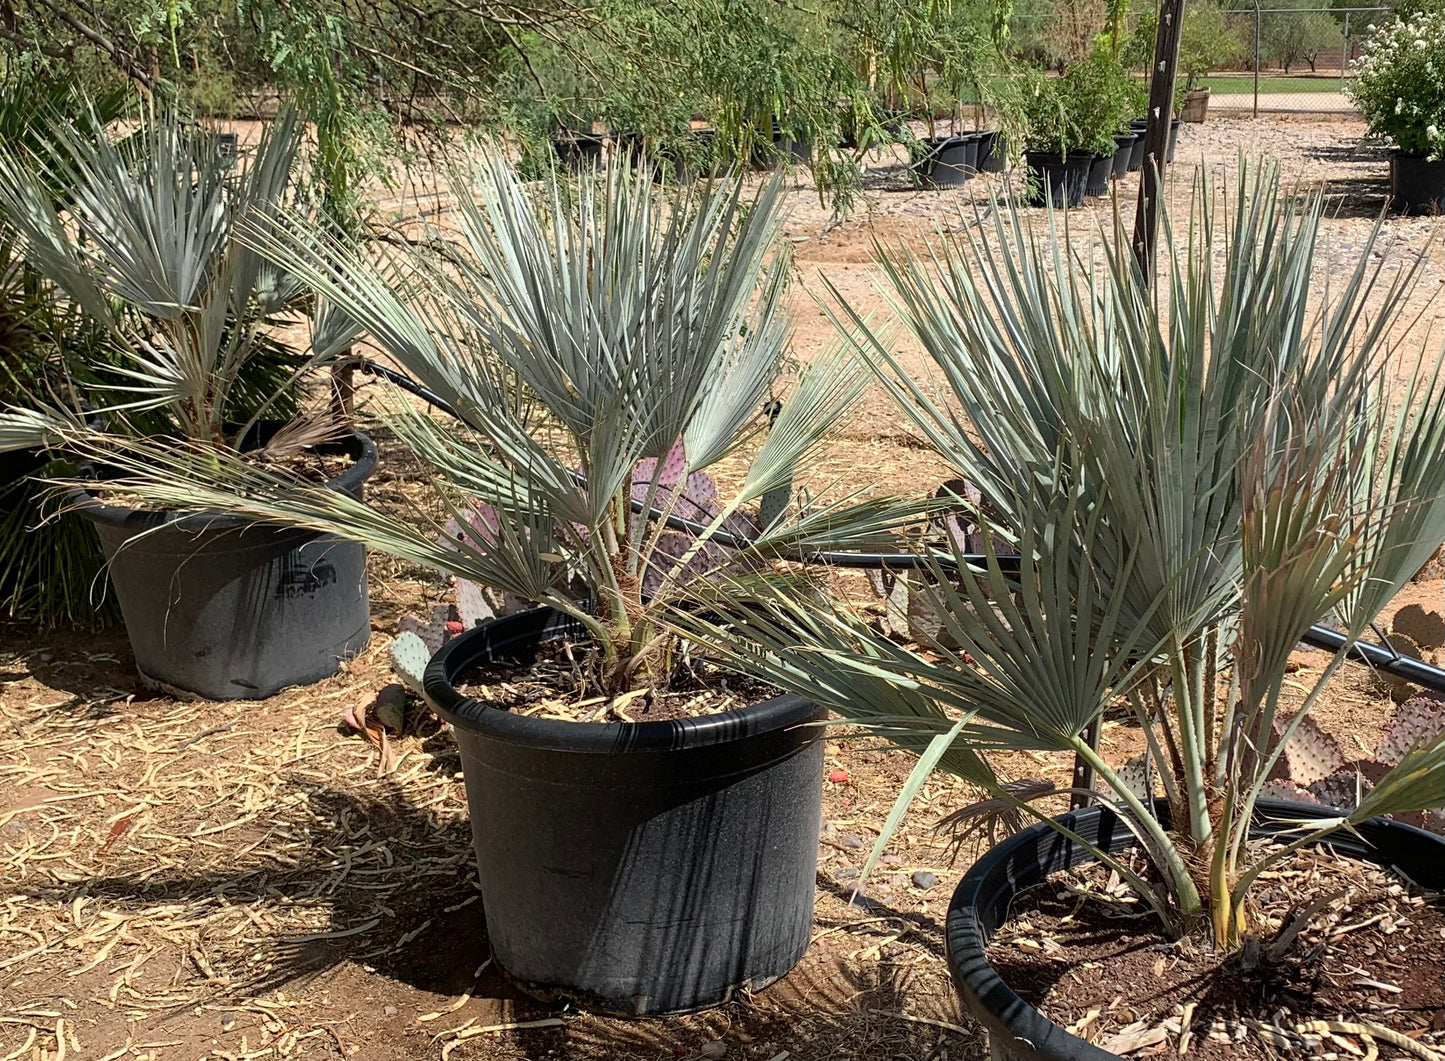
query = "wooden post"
{"x": 1156, "y": 136}
{"x": 1083, "y": 778}
{"x": 1146, "y": 227}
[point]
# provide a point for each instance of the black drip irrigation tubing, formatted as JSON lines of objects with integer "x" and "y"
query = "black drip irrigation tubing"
{"x": 1382, "y": 658}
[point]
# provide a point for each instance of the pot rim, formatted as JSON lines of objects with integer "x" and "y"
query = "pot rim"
{"x": 997, "y": 1005}
{"x": 349, "y": 481}
{"x": 538, "y": 625}
{"x": 1052, "y": 158}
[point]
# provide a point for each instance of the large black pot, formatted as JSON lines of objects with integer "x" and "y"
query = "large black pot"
{"x": 1136, "y": 153}
{"x": 231, "y": 610}
{"x": 785, "y": 149}
{"x": 947, "y": 161}
{"x": 580, "y": 150}
{"x": 1123, "y": 152}
{"x": 1417, "y": 185}
{"x": 641, "y": 868}
{"x": 1060, "y": 179}
{"x": 890, "y": 120}
{"x": 1100, "y": 167}
{"x": 992, "y": 151}
{"x": 981, "y": 904}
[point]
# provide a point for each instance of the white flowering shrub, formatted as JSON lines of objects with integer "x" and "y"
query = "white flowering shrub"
{"x": 1399, "y": 83}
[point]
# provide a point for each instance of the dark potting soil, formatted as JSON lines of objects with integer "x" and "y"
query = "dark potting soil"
{"x": 308, "y": 465}
{"x": 1086, "y": 951}
{"x": 559, "y": 685}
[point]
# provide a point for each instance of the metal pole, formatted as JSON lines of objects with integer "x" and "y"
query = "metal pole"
{"x": 1345, "y": 52}
{"x": 1257, "y": 17}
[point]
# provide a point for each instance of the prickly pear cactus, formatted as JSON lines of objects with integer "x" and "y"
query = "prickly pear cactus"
{"x": 1315, "y": 770}
{"x": 409, "y": 657}
{"x": 433, "y": 632}
{"x": 774, "y": 504}
{"x": 473, "y": 607}
{"x": 1417, "y": 722}
{"x": 1425, "y": 629}
{"x": 1312, "y": 755}
{"x": 961, "y": 524}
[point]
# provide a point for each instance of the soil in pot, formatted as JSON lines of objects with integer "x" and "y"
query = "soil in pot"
{"x": 947, "y": 161}
{"x": 228, "y": 610}
{"x": 1085, "y": 951}
{"x": 1056, "y": 178}
{"x": 1100, "y": 169}
{"x": 1417, "y": 185}
{"x": 547, "y": 686}
{"x": 634, "y": 868}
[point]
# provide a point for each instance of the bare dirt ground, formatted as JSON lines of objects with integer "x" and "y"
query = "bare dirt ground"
{"x": 251, "y": 880}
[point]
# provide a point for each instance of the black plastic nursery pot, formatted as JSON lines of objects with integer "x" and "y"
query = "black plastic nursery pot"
{"x": 890, "y": 120}
{"x": 1136, "y": 156}
{"x": 785, "y": 148}
{"x": 1100, "y": 169}
{"x": 1417, "y": 184}
{"x": 230, "y": 610}
{"x": 1060, "y": 179}
{"x": 1123, "y": 152}
{"x": 992, "y": 151}
{"x": 635, "y": 868}
{"x": 947, "y": 161}
{"x": 1018, "y": 1031}
{"x": 1136, "y": 153}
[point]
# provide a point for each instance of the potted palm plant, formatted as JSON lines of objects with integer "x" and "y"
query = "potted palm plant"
{"x": 1195, "y": 485}
{"x": 1399, "y": 86}
{"x": 145, "y": 249}
{"x": 648, "y": 843}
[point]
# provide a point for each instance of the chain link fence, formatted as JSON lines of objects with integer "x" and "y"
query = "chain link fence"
{"x": 1294, "y": 60}
{"x": 1289, "y": 59}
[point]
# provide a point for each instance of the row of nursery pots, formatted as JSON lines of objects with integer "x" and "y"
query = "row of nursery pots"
{"x": 950, "y": 161}
{"x": 1066, "y": 179}
{"x": 1417, "y": 185}
{"x": 661, "y": 867}
{"x": 635, "y": 868}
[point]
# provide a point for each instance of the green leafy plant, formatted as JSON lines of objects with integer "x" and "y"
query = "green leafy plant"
{"x": 602, "y": 345}
{"x": 1079, "y": 111}
{"x": 1296, "y": 31}
{"x": 1399, "y": 83}
{"x": 1193, "y": 477}
{"x": 1206, "y": 42}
